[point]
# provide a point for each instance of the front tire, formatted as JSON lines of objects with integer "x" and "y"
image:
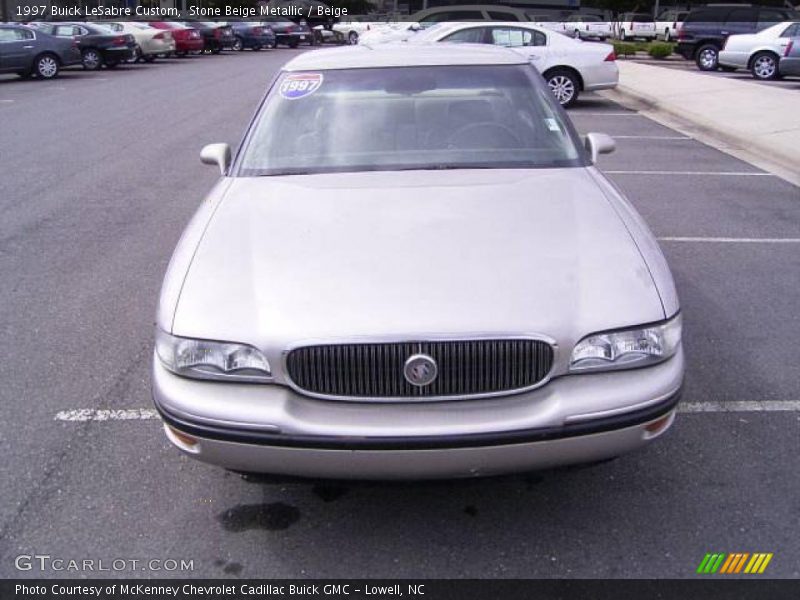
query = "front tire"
{"x": 667, "y": 36}
{"x": 92, "y": 60}
{"x": 707, "y": 58}
{"x": 576, "y": 34}
{"x": 352, "y": 38}
{"x": 564, "y": 85}
{"x": 622, "y": 35}
{"x": 764, "y": 66}
{"x": 46, "y": 66}
{"x": 238, "y": 44}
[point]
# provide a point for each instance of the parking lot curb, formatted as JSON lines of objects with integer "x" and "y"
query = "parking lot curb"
{"x": 761, "y": 151}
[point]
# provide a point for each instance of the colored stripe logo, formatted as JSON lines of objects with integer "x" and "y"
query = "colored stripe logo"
{"x": 738, "y": 562}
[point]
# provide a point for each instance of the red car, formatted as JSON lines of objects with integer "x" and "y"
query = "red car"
{"x": 187, "y": 39}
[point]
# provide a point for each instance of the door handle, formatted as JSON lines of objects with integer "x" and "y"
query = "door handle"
{"x": 28, "y": 47}
{"x": 724, "y": 32}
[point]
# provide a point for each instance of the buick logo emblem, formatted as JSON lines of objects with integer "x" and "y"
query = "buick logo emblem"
{"x": 420, "y": 370}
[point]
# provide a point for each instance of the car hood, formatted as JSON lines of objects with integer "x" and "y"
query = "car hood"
{"x": 414, "y": 254}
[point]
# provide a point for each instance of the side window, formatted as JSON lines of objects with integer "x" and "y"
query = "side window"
{"x": 63, "y": 31}
{"x": 473, "y": 35}
{"x": 768, "y": 16}
{"x": 502, "y": 16}
{"x": 512, "y": 37}
{"x": 24, "y": 34}
{"x": 8, "y": 35}
{"x": 741, "y": 15}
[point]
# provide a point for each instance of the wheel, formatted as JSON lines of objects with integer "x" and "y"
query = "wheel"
{"x": 352, "y": 38}
{"x": 667, "y": 36}
{"x": 764, "y": 66}
{"x": 46, "y": 66}
{"x": 564, "y": 85}
{"x": 92, "y": 59}
{"x": 707, "y": 58}
{"x": 273, "y": 44}
{"x": 576, "y": 34}
{"x": 238, "y": 44}
{"x": 622, "y": 35}
{"x": 137, "y": 54}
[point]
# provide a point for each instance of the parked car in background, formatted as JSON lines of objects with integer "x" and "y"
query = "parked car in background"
{"x": 551, "y": 22}
{"x": 187, "y": 39}
{"x": 759, "y": 52}
{"x": 252, "y": 35}
{"x": 636, "y": 25}
{"x": 561, "y": 343}
{"x": 216, "y": 36}
{"x": 468, "y": 12}
{"x": 99, "y": 45}
{"x": 28, "y": 51}
{"x": 289, "y": 33}
{"x": 790, "y": 61}
{"x": 150, "y": 42}
{"x": 351, "y": 29}
{"x": 582, "y": 26}
{"x": 568, "y": 66}
{"x": 705, "y": 29}
{"x": 668, "y": 23}
{"x": 393, "y": 32}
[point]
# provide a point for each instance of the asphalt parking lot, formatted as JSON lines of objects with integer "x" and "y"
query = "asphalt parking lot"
{"x": 100, "y": 175}
{"x": 787, "y": 83}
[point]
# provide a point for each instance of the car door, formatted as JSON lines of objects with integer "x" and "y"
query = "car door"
{"x": 17, "y": 47}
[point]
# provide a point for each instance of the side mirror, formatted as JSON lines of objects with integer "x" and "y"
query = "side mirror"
{"x": 597, "y": 144}
{"x": 414, "y": 27}
{"x": 216, "y": 154}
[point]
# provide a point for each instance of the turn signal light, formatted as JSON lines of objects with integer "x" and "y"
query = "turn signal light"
{"x": 611, "y": 57}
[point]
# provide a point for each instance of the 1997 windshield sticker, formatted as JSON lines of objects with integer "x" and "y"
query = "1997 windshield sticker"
{"x": 300, "y": 85}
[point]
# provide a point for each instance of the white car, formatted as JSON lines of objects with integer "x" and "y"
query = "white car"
{"x": 569, "y": 66}
{"x": 352, "y": 29}
{"x": 392, "y": 32}
{"x": 581, "y": 26}
{"x": 759, "y": 52}
{"x": 636, "y": 25}
{"x": 668, "y": 23}
{"x": 150, "y": 42}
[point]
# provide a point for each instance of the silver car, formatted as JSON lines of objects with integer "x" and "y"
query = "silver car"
{"x": 412, "y": 269}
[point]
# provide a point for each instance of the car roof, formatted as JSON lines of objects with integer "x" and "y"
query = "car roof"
{"x": 364, "y": 56}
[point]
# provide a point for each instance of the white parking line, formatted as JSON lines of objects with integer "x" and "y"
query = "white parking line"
{"x": 605, "y": 114}
{"x": 147, "y": 414}
{"x": 724, "y": 173}
{"x": 6, "y": 101}
{"x": 728, "y": 240}
{"x": 91, "y": 414}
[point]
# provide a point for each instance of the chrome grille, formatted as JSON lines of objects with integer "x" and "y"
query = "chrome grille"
{"x": 465, "y": 368}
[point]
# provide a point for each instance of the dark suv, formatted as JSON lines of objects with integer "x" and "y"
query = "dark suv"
{"x": 705, "y": 29}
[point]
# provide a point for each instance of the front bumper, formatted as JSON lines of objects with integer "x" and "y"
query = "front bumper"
{"x": 272, "y": 429}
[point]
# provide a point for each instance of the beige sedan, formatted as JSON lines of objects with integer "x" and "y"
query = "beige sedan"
{"x": 150, "y": 42}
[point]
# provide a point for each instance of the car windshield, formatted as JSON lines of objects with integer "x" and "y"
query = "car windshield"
{"x": 444, "y": 117}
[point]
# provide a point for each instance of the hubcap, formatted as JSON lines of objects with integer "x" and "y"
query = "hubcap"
{"x": 47, "y": 67}
{"x": 91, "y": 59}
{"x": 237, "y": 45}
{"x": 563, "y": 88}
{"x": 353, "y": 39}
{"x": 765, "y": 67}
{"x": 708, "y": 58}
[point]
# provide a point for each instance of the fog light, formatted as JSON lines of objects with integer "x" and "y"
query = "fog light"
{"x": 182, "y": 440}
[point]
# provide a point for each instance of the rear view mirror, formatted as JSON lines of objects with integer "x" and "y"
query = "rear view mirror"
{"x": 597, "y": 144}
{"x": 216, "y": 154}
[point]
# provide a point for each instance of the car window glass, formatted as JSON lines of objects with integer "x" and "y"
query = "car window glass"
{"x": 8, "y": 35}
{"x": 24, "y": 34}
{"x": 502, "y": 16}
{"x": 792, "y": 31}
{"x": 742, "y": 15}
{"x": 455, "y": 15}
{"x": 511, "y": 37}
{"x": 770, "y": 16}
{"x": 473, "y": 35}
{"x": 707, "y": 16}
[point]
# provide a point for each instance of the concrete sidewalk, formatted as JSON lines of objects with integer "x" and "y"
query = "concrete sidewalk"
{"x": 751, "y": 121}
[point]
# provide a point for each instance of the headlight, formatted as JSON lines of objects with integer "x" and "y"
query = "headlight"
{"x": 627, "y": 348}
{"x": 204, "y": 359}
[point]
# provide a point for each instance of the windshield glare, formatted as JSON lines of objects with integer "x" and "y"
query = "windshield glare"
{"x": 493, "y": 116}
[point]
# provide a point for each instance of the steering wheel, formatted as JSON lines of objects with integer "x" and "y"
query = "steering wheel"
{"x": 491, "y": 129}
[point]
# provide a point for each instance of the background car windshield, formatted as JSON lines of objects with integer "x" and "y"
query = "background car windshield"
{"x": 493, "y": 116}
